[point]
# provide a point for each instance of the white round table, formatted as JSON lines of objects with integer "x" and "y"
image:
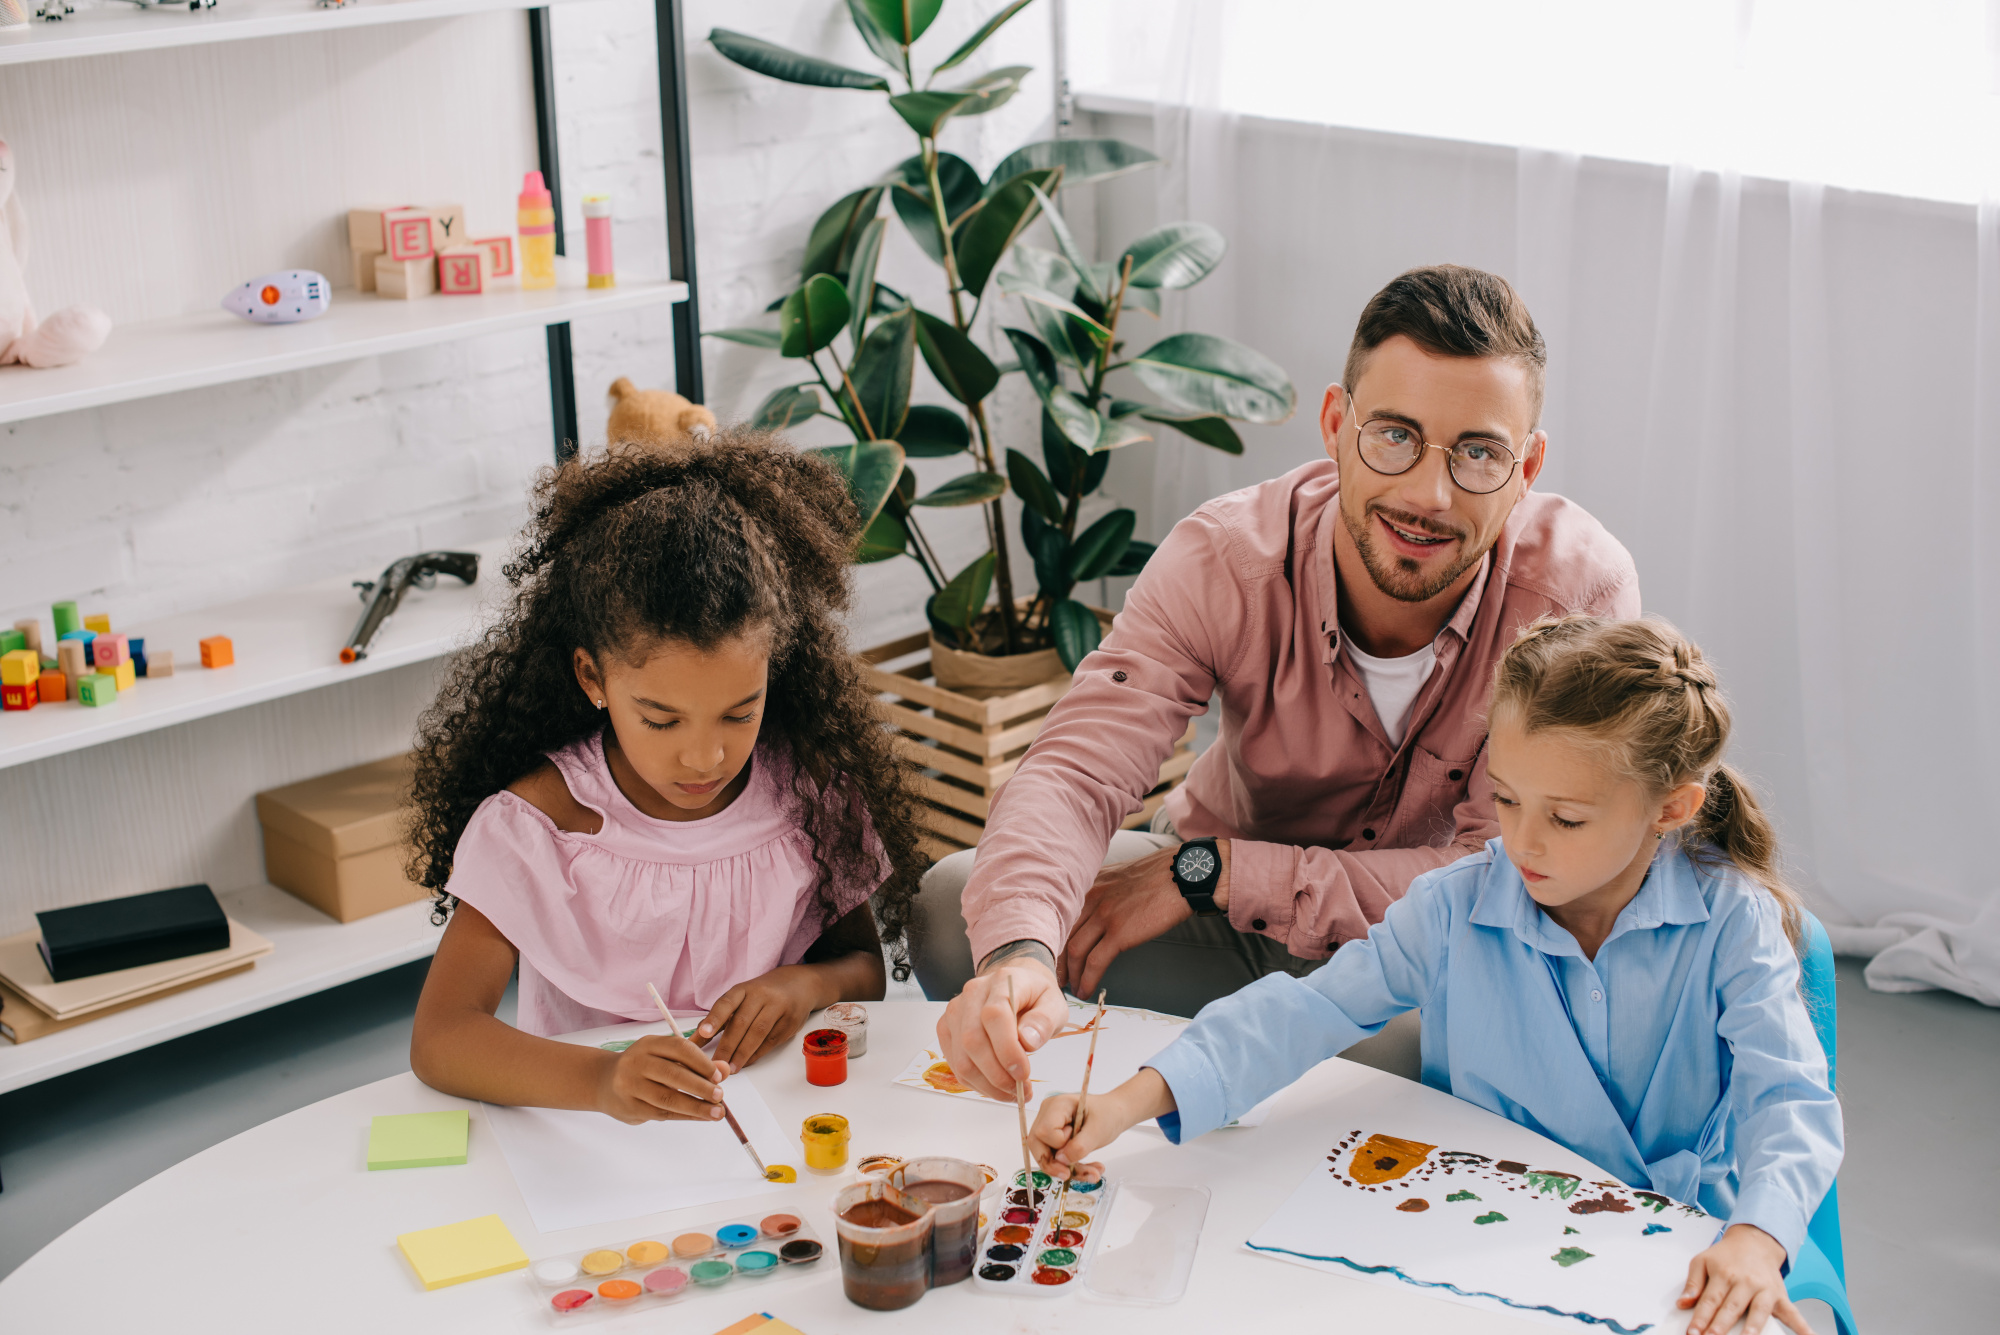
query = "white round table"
{"x": 282, "y": 1228}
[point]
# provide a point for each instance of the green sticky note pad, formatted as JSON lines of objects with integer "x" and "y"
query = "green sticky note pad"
{"x": 418, "y": 1140}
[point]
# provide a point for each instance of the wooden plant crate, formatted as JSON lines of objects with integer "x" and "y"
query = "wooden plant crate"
{"x": 964, "y": 748}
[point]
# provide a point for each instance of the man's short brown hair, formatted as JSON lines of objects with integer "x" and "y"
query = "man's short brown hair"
{"x": 1449, "y": 310}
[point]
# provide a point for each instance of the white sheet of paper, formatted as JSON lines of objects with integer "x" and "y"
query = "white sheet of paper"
{"x": 580, "y": 1168}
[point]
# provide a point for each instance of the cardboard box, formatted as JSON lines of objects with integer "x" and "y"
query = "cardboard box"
{"x": 339, "y": 841}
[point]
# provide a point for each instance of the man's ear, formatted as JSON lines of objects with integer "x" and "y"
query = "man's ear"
{"x": 1333, "y": 410}
{"x": 1538, "y": 454}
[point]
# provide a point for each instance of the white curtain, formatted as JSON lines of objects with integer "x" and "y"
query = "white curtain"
{"x": 1782, "y": 395}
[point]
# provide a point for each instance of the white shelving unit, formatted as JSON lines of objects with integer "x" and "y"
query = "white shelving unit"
{"x": 111, "y": 30}
{"x": 310, "y": 952}
{"x": 215, "y": 347}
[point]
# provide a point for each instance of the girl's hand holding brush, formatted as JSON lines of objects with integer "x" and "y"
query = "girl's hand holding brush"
{"x": 1060, "y": 1146}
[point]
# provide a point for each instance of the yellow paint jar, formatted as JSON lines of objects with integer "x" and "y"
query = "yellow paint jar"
{"x": 825, "y": 1138}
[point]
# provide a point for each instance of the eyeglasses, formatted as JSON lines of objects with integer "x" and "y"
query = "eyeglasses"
{"x": 1476, "y": 465}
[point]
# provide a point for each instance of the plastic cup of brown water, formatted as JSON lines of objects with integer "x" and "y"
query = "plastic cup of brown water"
{"x": 951, "y": 1187}
{"x": 885, "y": 1244}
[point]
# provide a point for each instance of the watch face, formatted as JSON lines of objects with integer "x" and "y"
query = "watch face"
{"x": 1196, "y": 863}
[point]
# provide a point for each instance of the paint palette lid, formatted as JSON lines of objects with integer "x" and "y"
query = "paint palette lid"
{"x": 1146, "y": 1244}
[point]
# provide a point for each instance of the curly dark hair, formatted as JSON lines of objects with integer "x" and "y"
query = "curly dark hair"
{"x": 739, "y": 535}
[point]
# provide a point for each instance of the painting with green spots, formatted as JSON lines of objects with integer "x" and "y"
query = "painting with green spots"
{"x": 1465, "y": 1208}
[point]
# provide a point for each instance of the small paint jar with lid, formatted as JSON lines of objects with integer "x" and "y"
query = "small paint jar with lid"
{"x": 825, "y": 1136}
{"x": 826, "y": 1057}
{"x": 850, "y": 1018}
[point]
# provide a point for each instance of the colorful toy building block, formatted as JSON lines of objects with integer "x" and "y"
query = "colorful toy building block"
{"x": 72, "y": 661}
{"x": 20, "y": 697}
{"x": 31, "y": 631}
{"x": 96, "y": 689}
{"x": 500, "y": 253}
{"x": 82, "y": 637}
{"x": 406, "y": 235}
{"x": 66, "y": 619}
{"x": 126, "y": 674}
{"x": 18, "y": 667}
{"x": 137, "y": 648}
{"x": 448, "y": 229}
{"x": 160, "y": 663}
{"x": 217, "y": 651}
{"x": 405, "y": 280}
{"x": 364, "y": 228}
{"x": 108, "y": 651}
{"x": 462, "y": 271}
{"x": 100, "y": 623}
{"x": 12, "y": 641}
{"x": 53, "y": 687}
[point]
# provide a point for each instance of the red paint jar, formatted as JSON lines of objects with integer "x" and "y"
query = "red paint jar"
{"x": 826, "y": 1057}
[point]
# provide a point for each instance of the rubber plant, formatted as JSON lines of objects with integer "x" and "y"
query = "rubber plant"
{"x": 1075, "y": 313}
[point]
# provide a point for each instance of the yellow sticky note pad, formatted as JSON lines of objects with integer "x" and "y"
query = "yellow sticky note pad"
{"x": 454, "y": 1253}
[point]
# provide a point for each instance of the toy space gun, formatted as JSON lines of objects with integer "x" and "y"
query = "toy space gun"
{"x": 384, "y": 594}
{"x": 285, "y": 297}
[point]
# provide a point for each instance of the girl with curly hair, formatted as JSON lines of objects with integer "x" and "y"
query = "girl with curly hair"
{"x": 659, "y": 766}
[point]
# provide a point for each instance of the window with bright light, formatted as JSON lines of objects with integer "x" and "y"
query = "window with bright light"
{"x": 1895, "y": 97}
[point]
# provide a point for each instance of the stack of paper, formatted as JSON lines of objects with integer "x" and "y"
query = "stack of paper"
{"x": 35, "y": 1004}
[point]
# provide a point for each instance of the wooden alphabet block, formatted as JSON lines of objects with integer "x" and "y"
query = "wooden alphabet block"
{"x": 407, "y": 235}
{"x": 463, "y": 271}
{"x": 19, "y": 697}
{"x": 96, "y": 689}
{"x": 18, "y": 667}
{"x": 364, "y": 269}
{"x": 108, "y": 651}
{"x": 160, "y": 663}
{"x": 217, "y": 651}
{"x": 500, "y": 254}
{"x": 448, "y": 229}
{"x": 126, "y": 674}
{"x": 100, "y": 624}
{"x": 53, "y": 688}
{"x": 364, "y": 228}
{"x": 405, "y": 280}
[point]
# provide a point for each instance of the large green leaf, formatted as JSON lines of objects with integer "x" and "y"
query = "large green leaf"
{"x": 755, "y": 338}
{"x": 1178, "y": 255}
{"x": 978, "y": 39}
{"x": 1145, "y": 299}
{"x": 986, "y": 236}
{"x": 1033, "y": 489}
{"x": 1115, "y": 433}
{"x": 1047, "y": 549}
{"x": 966, "y": 489}
{"x": 884, "y": 538}
{"x": 1204, "y": 373}
{"x": 871, "y": 468}
{"x": 812, "y": 315}
{"x": 1137, "y": 553}
{"x": 1081, "y": 160}
{"x": 861, "y": 278}
{"x": 960, "y": 601}
{"x": 966, "y": 373}
{"x": 1214, "y": 432}
{"x": 1077, "y": 631}
{"x": 911, "y": 194}
{"x": 926, "y": 112}
{"x": 879, "y": 41}
{"x": 904, "y": 20}
{"x": 906, "y": 485}
{"x": 786, "y": 407}
{"x": 1076, "y": 419}
{"x": 994, "y": 88}
{"x": 883, "y": 371}
{"x": 1098, "y": 547}
{"x": 830, "y": 247}
{"x": 754, "y": 53}
{"x": 1086, "y": 281}
{"x": 1016, "y": 286}
{"x": 1070, "y": 468}
{"x": 931, "y": 432}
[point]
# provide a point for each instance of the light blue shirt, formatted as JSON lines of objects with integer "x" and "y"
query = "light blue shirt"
{"x": 1682, "y": 1059}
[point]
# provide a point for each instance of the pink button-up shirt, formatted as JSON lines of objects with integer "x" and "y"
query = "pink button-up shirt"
{"x": 1328, "y": 822}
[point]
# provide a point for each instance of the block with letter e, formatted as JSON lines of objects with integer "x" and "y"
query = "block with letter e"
{"x": 406, "y": 235}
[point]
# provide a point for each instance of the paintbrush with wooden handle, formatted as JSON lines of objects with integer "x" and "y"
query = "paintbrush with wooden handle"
{"x": 728, "y": 1116}
{"x": 1076, "y": 1122}
{"x": 1021, "y": 1108}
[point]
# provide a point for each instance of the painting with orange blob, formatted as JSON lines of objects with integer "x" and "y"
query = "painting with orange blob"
{"x": 1553, "y": 1238}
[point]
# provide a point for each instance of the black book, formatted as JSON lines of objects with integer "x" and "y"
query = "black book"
{"x": 88, "y": 939}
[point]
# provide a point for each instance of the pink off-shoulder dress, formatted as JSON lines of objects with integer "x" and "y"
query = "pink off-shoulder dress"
{"x": 693, "y": 907}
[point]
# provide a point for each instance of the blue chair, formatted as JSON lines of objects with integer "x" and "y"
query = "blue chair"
{"x": 1820, "y": 1268}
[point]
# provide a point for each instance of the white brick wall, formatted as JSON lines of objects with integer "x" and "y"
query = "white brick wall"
{"x": 179, "y": 502}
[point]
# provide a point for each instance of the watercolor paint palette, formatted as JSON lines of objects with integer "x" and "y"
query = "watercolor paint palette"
{"x": 645, "y": 1273}
{"x": 1040, "y": 1239}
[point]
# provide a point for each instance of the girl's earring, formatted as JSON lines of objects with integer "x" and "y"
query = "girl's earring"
{"x": 600, "y": 705}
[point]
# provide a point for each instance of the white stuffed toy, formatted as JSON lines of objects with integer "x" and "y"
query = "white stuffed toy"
{"x": 67, "y": 336}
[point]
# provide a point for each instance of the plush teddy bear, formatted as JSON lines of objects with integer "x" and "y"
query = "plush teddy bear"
{"x": 655, "y": 418}
{"x": 67, "y": 336}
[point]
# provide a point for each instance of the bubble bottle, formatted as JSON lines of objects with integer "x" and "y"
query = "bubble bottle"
{"x": 537, "y": 223}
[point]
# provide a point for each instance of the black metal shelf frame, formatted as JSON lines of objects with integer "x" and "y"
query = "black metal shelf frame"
{"x": 672, "y": 45}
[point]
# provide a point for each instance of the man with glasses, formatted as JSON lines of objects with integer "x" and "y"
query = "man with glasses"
{"x": 1349, "y": 615}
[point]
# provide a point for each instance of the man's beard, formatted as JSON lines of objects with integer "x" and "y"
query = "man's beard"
{"x": 1399, "y": 576}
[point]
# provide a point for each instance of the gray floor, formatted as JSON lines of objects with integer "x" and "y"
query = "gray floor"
{"x": 1920, "y": 1082}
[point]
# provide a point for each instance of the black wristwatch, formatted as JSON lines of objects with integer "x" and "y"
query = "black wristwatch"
{"x": 1197, "y": 871}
